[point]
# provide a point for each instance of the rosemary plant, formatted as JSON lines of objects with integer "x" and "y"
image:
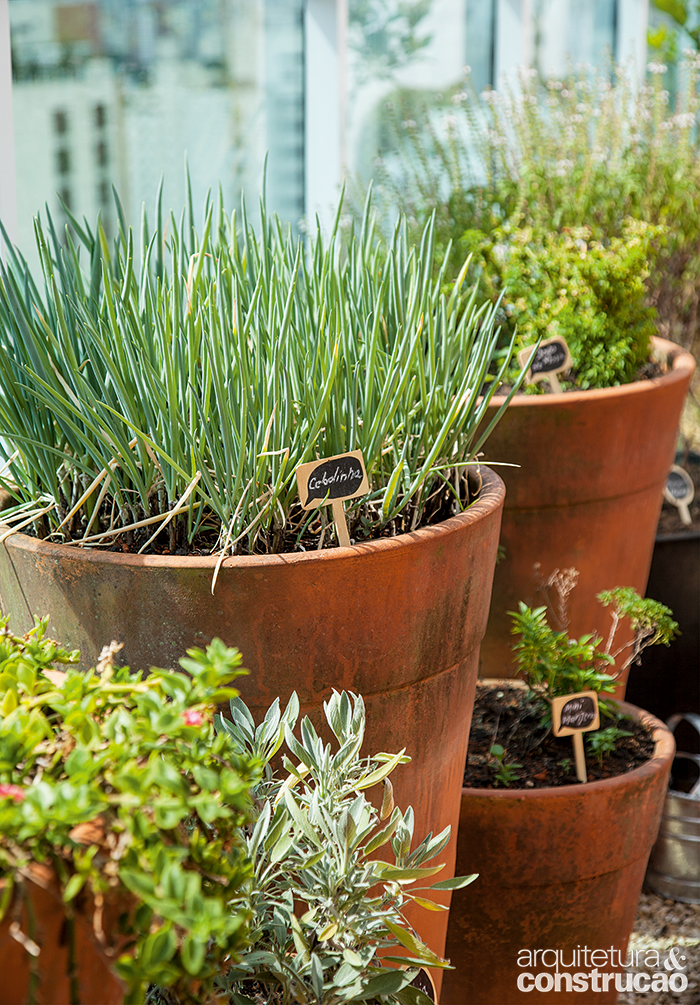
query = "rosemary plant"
{"x": 160, "y": 390}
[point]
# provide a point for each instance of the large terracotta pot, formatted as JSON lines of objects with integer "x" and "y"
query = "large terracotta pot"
{"x": 587, "y": 494}
{"x": 559, "y": 869}
{"x": 398, "y": 620}
{"x": 52, "y": 977}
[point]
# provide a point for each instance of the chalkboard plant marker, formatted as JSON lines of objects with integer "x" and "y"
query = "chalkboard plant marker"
{"x": 331, "y": 480}
{"x": 573, "y": 715}
{"x": 680, "y": 491}
{"x": 546, "y": 360}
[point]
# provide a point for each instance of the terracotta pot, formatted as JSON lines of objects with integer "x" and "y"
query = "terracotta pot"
{"x": 587, "y": 495}
{"x": 41, "y": 913}
{"x": 398, "y": 620}
{"x": 559, "y": 869}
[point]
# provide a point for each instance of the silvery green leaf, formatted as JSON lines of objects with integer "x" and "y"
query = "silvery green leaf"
{"x": 430, "y": 847}
{"x": 345, "y": 974}
{"x": 387, "y": 983}
{"x": 316, "y": 976}
{"x": 383, "y": 835}
{"x": 333, "y": 715}
{"x": 260, "y": 829}
{"x": 458, "y": 883}
{"x": 302, "y": 754}
{"x": 301, "y": 820}
{"x": 281, "y": 847}
{"x": 291, "y": 712}
{"x": 280, "y": 822}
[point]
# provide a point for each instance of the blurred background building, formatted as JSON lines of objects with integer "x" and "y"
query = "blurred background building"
{"x": 106, "y": 93}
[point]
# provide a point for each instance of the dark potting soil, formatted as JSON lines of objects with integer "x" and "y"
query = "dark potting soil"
{"x": 503, "y": 715}
{"x": 304, "y": 531}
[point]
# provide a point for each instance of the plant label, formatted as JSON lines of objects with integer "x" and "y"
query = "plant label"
{"x": 679, "y": 491}
{"x": 331, "y": 480}
{"x": 549, "y": 358}
{"x": 573, "y": 715}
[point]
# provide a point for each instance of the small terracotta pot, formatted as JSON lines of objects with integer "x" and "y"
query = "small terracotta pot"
{"x": 587, "y": 494}
{"x": 398, "y": 620}
{"x": 42, "y": 914}
{"x": 559, "y": 869}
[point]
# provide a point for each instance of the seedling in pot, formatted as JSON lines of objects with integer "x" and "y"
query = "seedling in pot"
{"x": 604, "y": 741}
{"x": 506, "y": 773}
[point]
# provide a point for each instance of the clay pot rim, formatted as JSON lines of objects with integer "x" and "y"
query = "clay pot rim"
{"x": 681, "y": 360}
{"x": 492, "y": 495}
{"x": 664, "y": 750}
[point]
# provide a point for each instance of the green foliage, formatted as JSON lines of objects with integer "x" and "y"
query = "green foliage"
{"x": 506, "y": 772}
{"x": 554, "y": 665}
{"x": 568, "y": 285}
{"x": 604, "y": 741}
{"x": 122, "y": 786}
{"x": 651, "y": 620}
{"x": 322, "y": 903}
{"x": 178, "y": 386}
{"x": 555, "y": 155}
{"x": 686, "y": 16}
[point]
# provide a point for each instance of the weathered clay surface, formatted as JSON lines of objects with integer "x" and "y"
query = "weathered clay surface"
{"x": 587, "y": 494}
{"x": 558, "y": 868}
{"x": 43, "y": 915}
{"x": 398, "y": 620}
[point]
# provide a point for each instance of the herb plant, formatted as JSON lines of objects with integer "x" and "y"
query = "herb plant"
{"x": 565, "y": 284}
{"x": 553, "y": 665}
{"x": 161, "y": 390}
{"x": 584, "y": 150}
{"x": 604, "y": 741}
{"x": 322, "y": 902}
{"x": 122, "y": 787}
{"x": 506, "y": 772}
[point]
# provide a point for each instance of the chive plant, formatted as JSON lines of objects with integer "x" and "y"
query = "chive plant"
{"x": 160, "y": 391}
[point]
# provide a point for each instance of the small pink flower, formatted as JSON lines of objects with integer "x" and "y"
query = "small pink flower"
{"x": 192, "y": 717}
{"x": 12, "y": 792}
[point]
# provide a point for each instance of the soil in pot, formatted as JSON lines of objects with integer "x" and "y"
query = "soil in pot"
{"x": 504, "y": 716}
{"x": 560, "y": 868}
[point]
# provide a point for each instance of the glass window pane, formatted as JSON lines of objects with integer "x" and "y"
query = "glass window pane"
{"x": 118, "y": 91}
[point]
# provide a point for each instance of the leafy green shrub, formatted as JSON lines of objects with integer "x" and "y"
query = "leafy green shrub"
{"x": 322, "y": 903}
{"x": 121, "y": 785}
{"x": 566, "y": 284}
{"x": 555, "y": 154}
{"x": 554, "y": 665}
{"x": 171, "y": 392}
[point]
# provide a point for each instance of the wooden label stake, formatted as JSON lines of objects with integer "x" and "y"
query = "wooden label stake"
{"x": 573, "y": 715}
{"x": 679, "y": 491}
{"x": 549, "y": 358}
{"x": 331, "y": 480}
{"x": 341, "y": 525}
{"x": 580, "y": 757}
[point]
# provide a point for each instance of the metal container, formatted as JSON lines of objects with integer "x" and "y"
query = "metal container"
{"x": 674, "y": 864}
